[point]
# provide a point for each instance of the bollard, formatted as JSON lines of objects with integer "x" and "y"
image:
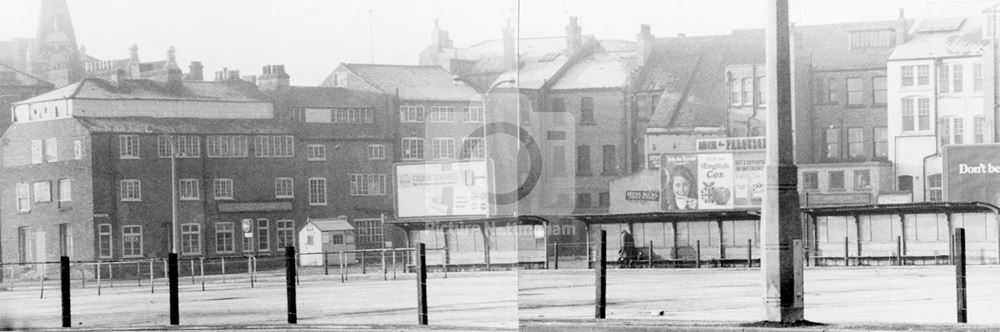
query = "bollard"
{"x": 847, "y": 248}
{"x": 393, "y": 264}
{"x": 421, "y": 285}
{"x": 192, "y": 271}
{"x": 555, "y": 258}
{"x": 343, "y": 272}
{"x": 98, "y": 278}
{"x": 83, "y": 276}
{"x": 749, "y": 253}
{"x": 697, "y": 254}
{"x": 152, "y": 285}
{"x": 41, "y": 280}
{"x": 600, "y": 268}
{"x": 201, "y": 267}
{"x": 64, "y": 277}
{"x": 899, "y": 250}
{"x": 223, "y": 270}
{"x": 290, "y": 283}
{"x": 650, "y": 263}
{"x": 385, "y": 273}
{"x": 175, "y": 313}
{"x": 444, "y": 263}
{"x": 250, "y": 270}
{"x": 962, "y": 300}
{"x": 364, "y": 265}
{"x": 326, "y": 267}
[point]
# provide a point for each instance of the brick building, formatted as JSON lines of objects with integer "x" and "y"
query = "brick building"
{"x": 53, "y": 55}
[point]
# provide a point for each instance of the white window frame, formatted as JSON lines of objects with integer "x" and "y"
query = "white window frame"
{"x": 376, "y": 151}
{"x": 285, "y": 231}
{"x": 227, "y": 146}
{"x": 317, "y": 195}
{"x": 189, "y": 233}
{"x": 370, "y": 230}
{"x": 407, "y": 153}
{"x": 105, "y": 240}
{"x": 221, "y": 240}
{"x": 367, "y": 184}
{"x": 474, "y": 114}
{"x": 189, "y": 189}
{"x": 315, "y": 152}
{"x": 125, "y": 234}
{"x": 413, "y": 114}
{"x": 51, "y": 149}
{"x": 188, "y": 146}
{"x": 279, "y": 193}
{"x": 274, "y": 146}
{"x": 128, "y": 147}
{"x": 443, "y": 114}
{"x": 447, "y": 146}
{"x": 472, "y": 151}
{"x": 42, "y": 191}
{"x": 124, "y": 186}
{"x": 37, "y": 153}
{"x": 23, "y": 192}
{"x": 222, "y": 189}
{"x": 77, "y": 149}
{"x": 263, "y": 235}
{"x": 65, "y": 193}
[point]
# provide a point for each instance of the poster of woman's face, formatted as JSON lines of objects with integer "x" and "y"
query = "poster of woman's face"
{"x": 680, "y": 184}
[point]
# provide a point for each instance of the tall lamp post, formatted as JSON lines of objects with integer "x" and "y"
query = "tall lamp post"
{"x": 174, "y": 240}
{"x": 486, "y": 156}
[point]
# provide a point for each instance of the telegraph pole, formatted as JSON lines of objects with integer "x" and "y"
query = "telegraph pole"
{"x": 781, "y": 229}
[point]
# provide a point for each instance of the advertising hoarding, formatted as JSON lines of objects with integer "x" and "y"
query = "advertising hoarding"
{"x": 971, "y": 173}
{"x": 445, "y": 189}
{"x": 712, "y": 181}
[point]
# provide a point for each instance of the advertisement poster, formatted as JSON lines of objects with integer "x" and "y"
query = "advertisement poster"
{"x": 679, "y": 178}
{"x": 972, "y": 173}
{"x": 442, "y": 189}
{"x": 749, "y": 179}
{"x": 715, "y": 181}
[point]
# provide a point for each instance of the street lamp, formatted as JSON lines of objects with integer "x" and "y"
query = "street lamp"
{"x": 174, "y": 243}
{"x": 456, "y": 80}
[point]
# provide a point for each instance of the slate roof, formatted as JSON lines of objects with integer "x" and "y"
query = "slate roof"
{"x": 598, "y": 70}
{"x": 967, "y": 40}
{"x": 143, "y": 89}
{"x": 412, "y": 82}
{"x": 21, "y": 78}
{"x": 328, "y": 225}
{"x": 327, "y": 97}
{"x": 533, "y": 73}
{"x": 147, "y": 125}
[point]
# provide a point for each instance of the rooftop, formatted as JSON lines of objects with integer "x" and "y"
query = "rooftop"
{"x": 143, "y": 89}
{"x": 411, "y": 82}
{"x": 145, "y": 125}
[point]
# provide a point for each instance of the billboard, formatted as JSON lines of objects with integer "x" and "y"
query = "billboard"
{"x": 445, "y": 189}
{"x": 971, "y": 173}
{"x": 712, "y": 181}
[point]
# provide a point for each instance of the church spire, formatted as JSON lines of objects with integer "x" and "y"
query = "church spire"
{"x": 55, "y": 28}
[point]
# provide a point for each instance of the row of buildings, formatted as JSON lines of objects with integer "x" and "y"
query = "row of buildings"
{"x": 92, "y": 146}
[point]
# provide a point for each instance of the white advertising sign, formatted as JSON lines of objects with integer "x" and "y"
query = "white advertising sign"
{"x": 442, "y": 189}
{"x": 715, "y": 172}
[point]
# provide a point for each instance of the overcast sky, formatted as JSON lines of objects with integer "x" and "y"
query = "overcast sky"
{"x": 310, "y": 37}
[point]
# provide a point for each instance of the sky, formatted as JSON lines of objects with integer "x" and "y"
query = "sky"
{"x": 311, "y": 37}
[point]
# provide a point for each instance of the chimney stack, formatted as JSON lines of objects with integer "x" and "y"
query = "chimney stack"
{"x": 574, "y": 40}
{"x": 134, "y": 71}
{"x": 901, "y": 31}
{"x": 118, "y": 77}
{"x": 174, "y": 74}
{"x": 509, "y": 53}
{"x": 439, "y": 38}
{"x": 645, "y": 40}
{"x": 273, "y": 77}
{"x": 227, "y": 74}
{"x": 195, "y": 70}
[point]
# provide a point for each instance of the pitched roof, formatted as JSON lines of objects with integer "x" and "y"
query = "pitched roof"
{"x": 146, "y": 125}
{"x": 412, "y": 82}
{"x": 327, "y": 225}
{"x": 143, "y": 89}
{"x": 598, "y": 70}
{"x": 829, "y": 46}
{"x": 532, "y": 47}
{"x": 533, "y": 73}
{"x": 966, "y": 40}
{"x": 20, "y": 78}
{"x": 332, "y": 97}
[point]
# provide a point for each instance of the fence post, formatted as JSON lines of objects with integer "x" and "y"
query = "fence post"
{"x": 600, "y": 267}
{"x": 166, "y": 272}
{"x": 393, "y": 264}
{"x": 421, "y": 285}
{"x": 847, "y": 248}
{"x": 444, "y": 263}
{"x": 364, "y": 264}
{"x": 111, "y": 274}
{"x": 152, "y": 285}
{"x": 899, "y": 246}
{"x": 290, "y": 283}
{"x": 250, "y": 270}
{"x": 138, "y": 272}
{"x": 326, "y": 267}
{"x": 64, "y": 277}
{"x": 223, "y": 269}
{"x": 41, "y": 280}
{"x": 98, "y": 279}
{"x": 385, "y": 272}
{"x": 749, "y": 253}
{"x": 201, "y": 268}
{"x": 192, "y": 270}
{"x": 697, "y": 254}
{"x": 175, "y": 313}
{"x": 650, "y": 265}
{"x": 83, "y": 276}
{"x": 960, "y": 290}
{"x": 555, "y": 253}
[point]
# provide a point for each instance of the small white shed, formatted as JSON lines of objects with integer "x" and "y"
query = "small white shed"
{"x": 326, "y": 235}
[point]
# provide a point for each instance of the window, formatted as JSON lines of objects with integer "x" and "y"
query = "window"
{"x": 340, "y": 80}
{"x": 411, "y": 113}
{"x": 881, "y": 142}
{"x": 559, "y": 161}
{"x": 905, "y": 183}
{"x": 36, "y": 151}
{"x": 855, "y": 143}
{"x": 337, "y": 238}
{"x": 51, "y": 150}
{"x": 826, "y": 91}
{"x": 473, "y": 114}
{"x": 956, "y": 78}
{"x": 104, "y": 240}
{"x": 131, "y": 190}
{"x": 444, "y": 148}
{"x": 263, "y": 235}
{"x": 810, "y": 180}
{"x": 286, "y": 233}
{"x": 762, "y": 90}
{"x": 367, "y": 184}
{"x": 836, "y": 180}
{"x": 610, "y": 166}
{"x": 317, "y": 191}
{"x": 187, "y": 146}
{"x": 473, "y": 148}
{"x": 862, "y": 180}
{"x": 558, "y": 105}
{"x": 923, "y": 75}
{"x": 832, "y": 143}
{"x": 951, "y": 130}
{"x": 43, "y": 192}
{"x": 907, "y": 75}
{"x": 958, "y": 130}
{"x": 943, "y": 86}
{"x": 132, "y": 241}
{"x": 23, "y": 197}
{"x": 443, "y": 114}
{"x": 370, "y": 231}
{"x": 283, "y": 188}
{"x": 934, "y": 192}
{"x": 77, "y": 149}
{"x": 746, "y": 94}
{"x": 919, "y": 121}
{"x": 190, "y": 239}
{"x": 977, "y": 77}
{"x": 65, "y": 190}
{"x": 338, "y": 115}
{"x": 316, "y": 152}
{"x": 855, "y": 87}
{"x": 978, "y": 129}
{"x": 604, "y": 199}
{"x": 583, "y": 160}
{"x": 318, "y": 115}
{"x": 879, "y": 92}
{"x": 128, "y": 147}
{"x": 413, "y": 148}
{"x": 376, "y": 151}
{"x": 274, "y": 146}
{"x": 587, "y": 111}
{"x": 224, "y": 238}
{"x": 872, "y": 39}
{"x": 222, "y": 189}
{"x": 734, "y": 91}
{"x": 227, "y": 146}
{"x": 189, "y": 190}
{"x": 583, "y": 200}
